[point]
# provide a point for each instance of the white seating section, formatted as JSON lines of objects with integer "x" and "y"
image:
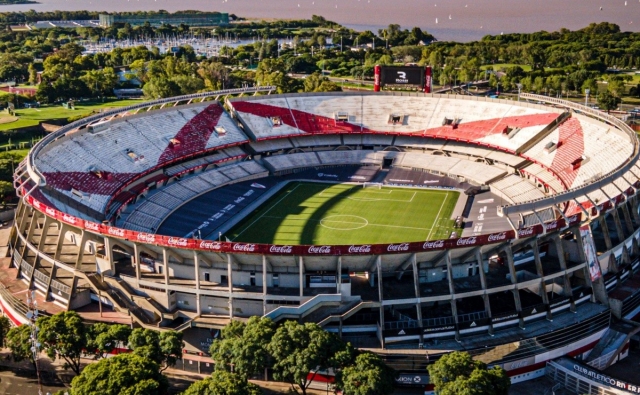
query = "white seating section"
{"x": 544, "y": 175}
{"x": 292, "y": 161}
{"x": 516, "y": 189}
{"x": 351, "y": 157}
{"x": 205, "y": 161}
{"x": 271, "y": 145}
{"x": 474, "y": 171}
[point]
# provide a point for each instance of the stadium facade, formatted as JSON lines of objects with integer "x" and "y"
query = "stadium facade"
{"x": 201, "y": 19}
{"x": 131, "y": 207}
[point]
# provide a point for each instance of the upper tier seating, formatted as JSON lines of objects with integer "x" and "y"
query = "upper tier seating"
{"x": 604, "y": 148}
{"x": 475, "y": 120}
{"x": 90, "y": 167}
{"x": 271, "y": 145}
{"x": 221, "y": 155}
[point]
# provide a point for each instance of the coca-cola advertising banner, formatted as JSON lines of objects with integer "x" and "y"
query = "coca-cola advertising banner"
{"x": 298, "y": 250}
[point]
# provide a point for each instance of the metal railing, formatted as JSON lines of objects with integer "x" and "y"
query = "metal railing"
{"x": 299, "y": 311}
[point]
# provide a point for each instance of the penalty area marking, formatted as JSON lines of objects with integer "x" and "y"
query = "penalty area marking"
{"x": 372, "y": 199}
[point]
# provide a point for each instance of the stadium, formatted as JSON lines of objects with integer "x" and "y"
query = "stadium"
{"x": 411, "y": 224}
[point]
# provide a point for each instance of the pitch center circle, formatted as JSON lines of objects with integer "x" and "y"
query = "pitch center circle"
{"x": 344, "y": 222}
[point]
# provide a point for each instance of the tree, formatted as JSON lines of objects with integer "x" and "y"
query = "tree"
{"x": 164, "y": 347}
{"x": 300, "y": 351}
{"x": 33, "y": 74}
{"x": 607, "y": 101}
{"x": 367, "y": 376}
{"x": 457, "y": 373}
{"x": 19, "y": 342}
{"x": 223, "y": 383}
{"x": 5, "y": 327}
{"x": 63, "y": 335}
{"x": 244, "y": 346}
{"x": 125, "y": 374}
{"x": 104, "y": 338}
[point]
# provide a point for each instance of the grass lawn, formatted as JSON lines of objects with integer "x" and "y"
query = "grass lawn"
{"x": 319, "y": 213}
{"x": 33, "y": 116}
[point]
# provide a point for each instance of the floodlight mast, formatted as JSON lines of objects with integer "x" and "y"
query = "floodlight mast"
{"x": 32, "y": 316}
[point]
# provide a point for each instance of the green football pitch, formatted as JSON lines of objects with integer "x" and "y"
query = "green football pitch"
{"x": 319, "y": 213}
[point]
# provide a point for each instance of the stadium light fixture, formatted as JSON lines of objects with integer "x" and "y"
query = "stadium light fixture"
{"x": 586, "y": 97}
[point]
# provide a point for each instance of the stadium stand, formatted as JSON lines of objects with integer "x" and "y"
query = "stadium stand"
{"x": 148, "y": 215}
{"x": 476, "y": 172}
{"x": 271, "y": 145}
{"x": 282, "y": 163}
{"x": 545, "y": 176}
{"x": 90, "y": 167}
{"x": 516, "y": 189}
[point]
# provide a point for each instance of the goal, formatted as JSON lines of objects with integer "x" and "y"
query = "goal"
{"x": 375, "y": 185}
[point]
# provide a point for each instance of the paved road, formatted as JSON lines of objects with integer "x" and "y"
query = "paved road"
{"x": 25, "y": 383}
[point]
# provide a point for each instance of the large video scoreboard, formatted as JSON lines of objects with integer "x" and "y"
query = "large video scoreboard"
{"x": 403, "y": 77}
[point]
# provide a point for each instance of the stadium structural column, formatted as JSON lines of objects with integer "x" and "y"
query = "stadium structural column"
{"x": 634, "y": 208}
{"x": 618, "y": 224}
{"x": 135, "y": 259}
{"x": 64, "y": 228}
{"x": 563, "y": 265}
{"x": 301, "y": 269}
{"x": 483, "y": 284}
{"x": 605, "y": 232}
{"x": 452, "y": 291}
{"x": 32, "y": 225}
{"x": 540, "y": 272}
{"x": 54, "y": 272}
{"x": 165, "y": 262}
{"x": 22, "y": 223}
{"x": 627, "y": 217}
{"x": 514, "y": 280}
{"x": 108, "y": 252}
{"x": 41, "y": 243}
{"x": 45, "y": 231}
{"x": 230, "y": 284}
{"x": 380, "y": 297}
{"x": 625, "y": 257}
{"x": 264, "y": 284}
{"x": 598, "y": 287}
{"x": 416, "y": 286}
{"x": 83, "y": 242}
{"x": 339, "y": 276}
{"x": 196, "y": 266}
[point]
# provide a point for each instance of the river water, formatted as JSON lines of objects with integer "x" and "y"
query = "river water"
{"x": 459, "y": 20}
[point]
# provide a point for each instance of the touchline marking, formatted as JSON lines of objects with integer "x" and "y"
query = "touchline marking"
{"x": 263, "y": 214}
{"x": 446, "y": 196}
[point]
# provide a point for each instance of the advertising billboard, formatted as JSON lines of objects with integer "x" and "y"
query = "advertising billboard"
{"x": 590, "y": 252}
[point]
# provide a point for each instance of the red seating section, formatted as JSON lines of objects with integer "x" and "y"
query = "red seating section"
{"x": 571, "y": 149}
{"x": 194, "y": 135}
{"x": 469, "y": 131}
{"x": 87, "y": 182}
